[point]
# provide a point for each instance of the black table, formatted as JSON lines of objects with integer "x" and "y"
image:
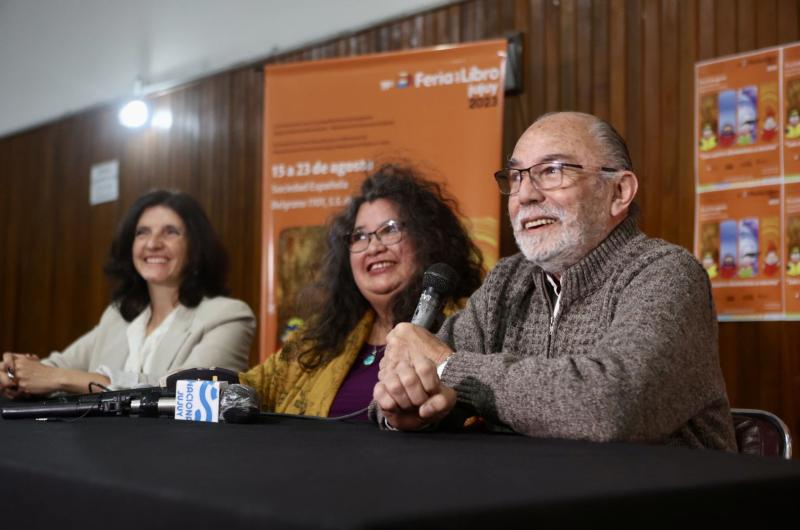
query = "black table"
{"x": 290, "y": 473}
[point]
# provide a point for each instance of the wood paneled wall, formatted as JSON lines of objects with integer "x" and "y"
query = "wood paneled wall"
{"x": 631, "y": 62}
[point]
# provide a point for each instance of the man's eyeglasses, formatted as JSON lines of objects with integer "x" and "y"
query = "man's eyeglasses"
{"x": 544, "y": 176}
{"x": 388, "y": 233}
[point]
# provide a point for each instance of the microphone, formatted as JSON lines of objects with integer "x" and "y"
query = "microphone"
{"x": 238, "y": 404}
{"x": 437, "y": 283}
{"x": 113, "y": 403}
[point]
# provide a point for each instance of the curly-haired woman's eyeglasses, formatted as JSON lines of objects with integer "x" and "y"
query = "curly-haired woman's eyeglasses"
{"x": 388, "y": 233}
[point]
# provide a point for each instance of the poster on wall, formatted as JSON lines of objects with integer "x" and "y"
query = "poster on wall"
{"x": 738, "y": 119}
{"x": 792, "y": 246}
{"x": 739, "y": 246}
{"x": 328, "y": 124}
{"x": 791, "y": 113}
{"x": 747, "y": 176}
{"x": 791, "y": 164}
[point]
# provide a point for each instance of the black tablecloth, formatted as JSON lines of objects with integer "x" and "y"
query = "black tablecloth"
{"x": 146, "y": 472}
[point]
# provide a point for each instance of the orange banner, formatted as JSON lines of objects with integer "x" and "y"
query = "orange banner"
{"x": 328, "y": 124}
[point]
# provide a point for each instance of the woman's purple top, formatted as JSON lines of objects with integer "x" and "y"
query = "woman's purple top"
{"x": 356, "y": 390}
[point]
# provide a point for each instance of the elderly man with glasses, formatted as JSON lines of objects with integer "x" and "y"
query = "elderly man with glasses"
{"x": 594, "y": 331}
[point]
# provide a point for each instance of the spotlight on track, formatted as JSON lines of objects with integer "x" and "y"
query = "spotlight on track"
{"x": 134, "y": 114}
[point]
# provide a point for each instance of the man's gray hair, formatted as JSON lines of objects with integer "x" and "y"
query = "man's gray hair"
{"x": 615, "y": 150}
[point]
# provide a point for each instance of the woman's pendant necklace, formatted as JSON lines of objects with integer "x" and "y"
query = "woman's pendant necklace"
{"x": 370, "y": 358}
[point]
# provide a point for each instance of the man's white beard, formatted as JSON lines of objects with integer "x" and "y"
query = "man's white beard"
{"x": 576, "y": 235}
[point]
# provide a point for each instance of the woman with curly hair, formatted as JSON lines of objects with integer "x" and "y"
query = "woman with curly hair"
{"x": 379, "y": 247}
{"x": 167, "y": 312}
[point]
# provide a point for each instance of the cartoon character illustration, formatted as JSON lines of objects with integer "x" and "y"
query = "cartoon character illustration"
{"x": 746, "y": 130}
{"x": 793, "y": 127}
{"x": 710, "y": 265}
{"x": 770, "y": 128}
{"x": 771, "y": 260}
{"x": 746, "y": 266}
{"x": 727, "y": 136}
{"x": 793, "y": 268}
{"x": 748, "y": 247}
{"x": 747, "y": 115}
{"x": 728, "y": 268}
{"x": 709, "y": 139}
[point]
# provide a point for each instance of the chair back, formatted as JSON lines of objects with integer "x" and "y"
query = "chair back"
{"x": 762, "y": 433}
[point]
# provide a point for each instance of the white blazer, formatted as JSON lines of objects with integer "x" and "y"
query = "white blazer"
{"x": 218, "y": 332}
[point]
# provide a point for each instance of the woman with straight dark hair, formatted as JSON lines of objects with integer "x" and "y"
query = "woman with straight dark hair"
{"x": 167, "y": 312}
{"x": 379, "y": 246}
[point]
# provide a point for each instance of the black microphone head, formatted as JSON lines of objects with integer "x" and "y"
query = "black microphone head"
{"x": 239, "y": 404}
{"x": 441, "y": 277}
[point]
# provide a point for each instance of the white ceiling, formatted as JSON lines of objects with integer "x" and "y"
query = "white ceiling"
{"x": 58, "y": 57}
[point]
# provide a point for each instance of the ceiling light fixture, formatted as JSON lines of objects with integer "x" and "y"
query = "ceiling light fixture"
{"x": 135, "y": 113}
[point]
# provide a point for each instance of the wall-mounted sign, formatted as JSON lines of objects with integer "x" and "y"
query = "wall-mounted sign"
{"x": 104, "y": 182}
